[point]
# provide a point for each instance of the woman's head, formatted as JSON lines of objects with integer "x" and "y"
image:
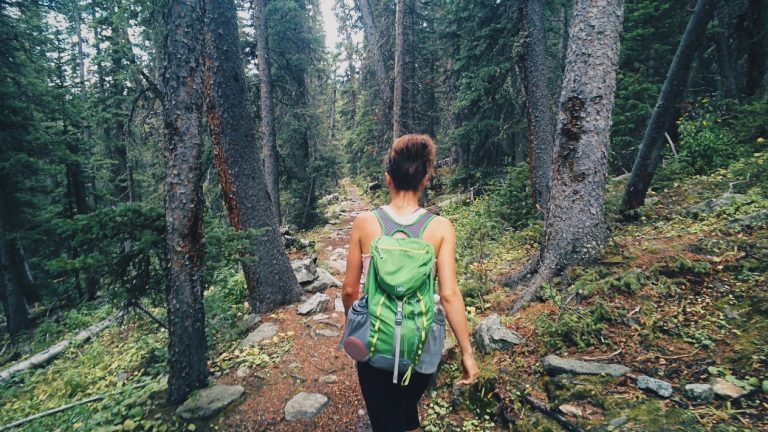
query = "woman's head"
{"x": 411, "y": 160}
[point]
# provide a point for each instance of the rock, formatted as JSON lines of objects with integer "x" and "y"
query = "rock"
{"x": 305, "y": 406}
{"x": 315, "y": 304}
{"x": 712, "y": 205}
{"x": 298, "y": 377}
{"x": 556, "y": 365}
{"x": 699, "y": 392}
{"x": 651, "y": 201}
{"x": 249, "y": 321}
{"x": 328, "y": 379}
{"x": 750, "y": 220}
{"x": 263, "y": 332}
{"x": 339, "y": 265}
{"x": 338, "y": 305}
{"x": 209, "y": 401}
{"x": 661, "y": 388}
{"x": 491, "y": 335}
{"x": 450, "y": 342}
{"x": 294, "y": 366}
{"x": 242, "y": 372}
{"x": 327, "y": 333}
{"x": 618, "y": 422}
{"x": 320, "y": 317}
{"x": 323, "y": 280}
{"x": 570, "y": 410}
{"x": 329, "y": 199}
{"x": 305, "y": 270}
{"x": 122, "y": 377}
{"x": 727, "y": 390}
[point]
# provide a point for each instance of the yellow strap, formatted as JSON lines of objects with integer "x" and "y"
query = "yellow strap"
{"x": 407, "y": 376}
{"x": 376, "y": 328}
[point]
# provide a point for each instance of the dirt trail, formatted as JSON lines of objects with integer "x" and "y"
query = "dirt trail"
{"x": 312, "y": 357}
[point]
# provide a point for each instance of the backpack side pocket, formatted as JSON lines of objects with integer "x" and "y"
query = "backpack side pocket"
{"x": 433, "y": 346}
{"x": 356, "y": 330}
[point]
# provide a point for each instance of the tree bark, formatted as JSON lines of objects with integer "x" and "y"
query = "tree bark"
{"x": 382, "y": 78}
{"x": 671, "y": 96}
{"x": 757, "y": 54}
{"x": 397, "y": 100}
{"x": 268, "y": 274}
{"x": 11, "y": 288}
{"x": 724, "y": 60}
{"x": 541, "y": 123}
{"x": 182, "y": 86}
{"x": 575, "y": 229}
{"x": 269, "y": 145}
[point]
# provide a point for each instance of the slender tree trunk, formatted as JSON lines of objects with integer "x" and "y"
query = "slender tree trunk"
{"x": 382, "y": 77}
{"x": 671, "y": 96}
{"x": 270, "y": 154}
{"x": 574, "y": 229}
{"x": 268, "y": 275}
{"x": 757, "y": 54}
{"x": 541, "y": 123}
{"x": 12, "y": 284}
{"x": 397, "y": 101}
{"x": 183, "y": 105}
{"x": 724, "y": 62}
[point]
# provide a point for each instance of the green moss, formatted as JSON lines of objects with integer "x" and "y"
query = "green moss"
{"x": 566, "y": 389}
{"x": 652, "y": 416}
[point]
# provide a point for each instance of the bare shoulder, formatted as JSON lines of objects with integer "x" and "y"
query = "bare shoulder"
{"x": 364, "y": 220}
{"x": 442, "y": 223}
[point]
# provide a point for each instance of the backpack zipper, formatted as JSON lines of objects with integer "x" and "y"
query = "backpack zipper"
{"x": 398, "y": 248}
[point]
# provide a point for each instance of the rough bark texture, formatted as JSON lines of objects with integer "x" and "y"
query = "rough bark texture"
{"x": 382, "y": 77}
{"x": 671, "y": 96}
{"x": 397, "y": 99}
{"x": 575, "y": 228}
{"x": 757, "y": 55}
{"x": 268, "y": 275}
{"x": 725, "y": 65}
{"x": 182, "y": 86}
{"x": 267, "y": 108}
{"x": 541, "y": 123}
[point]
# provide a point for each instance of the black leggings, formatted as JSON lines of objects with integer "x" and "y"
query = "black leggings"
{"x": 391, "y": 407}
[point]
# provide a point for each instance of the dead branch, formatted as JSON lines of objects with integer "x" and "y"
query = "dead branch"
{"x": 605, "y": 357}
{"x": 50, "y": 412}
{"x": 542, "y": 408}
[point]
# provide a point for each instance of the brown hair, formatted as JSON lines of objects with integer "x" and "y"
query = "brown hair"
{"x": 411, "y": 158}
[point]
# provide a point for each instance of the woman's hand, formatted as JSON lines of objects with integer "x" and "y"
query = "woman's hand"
{"x": 469, "y": 369}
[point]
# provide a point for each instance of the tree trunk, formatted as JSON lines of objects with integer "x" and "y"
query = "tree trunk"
{"x": 574, "y": 229}
{"x": 672, "y": 92}
{"x": 182, "y": 86}
{"x": 756, "y": 54}
{"x": 538, "y": 97}
{"x": 12, "y": 288}
{"x": 724, "y": 62}
{"x": 268, "y": 274}
{"x": 397, "y": 100}
{"x": 382, "y": 78}
{"x": 270, "y": 154}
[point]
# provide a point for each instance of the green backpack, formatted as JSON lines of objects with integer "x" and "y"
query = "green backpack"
{"x": 396, "y": 319}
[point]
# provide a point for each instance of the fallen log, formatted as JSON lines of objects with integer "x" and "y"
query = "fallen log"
{"x": 50, "y": 412}
{"x": 542, "y": 408}
{"x": 54, "y": 351}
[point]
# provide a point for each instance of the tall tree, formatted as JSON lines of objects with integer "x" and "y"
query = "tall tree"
{"x": 11, "y": 281}
{"x": 270, "y": 154}
{"x": 538, "y": 98}
{"x": 182, "y": 86}
{"x": 649, "y": 155}
{"x": 574, "y": 229}
{"x": 373, "y": 44}
{"x": 757, "y": 55}
{"x": 397, "y": 100}
{"x": 268, "y": 273}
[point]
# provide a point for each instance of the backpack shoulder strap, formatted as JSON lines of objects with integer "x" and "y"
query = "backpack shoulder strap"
{"x": 417, "y": 229}
{"x": 389, "y": 226}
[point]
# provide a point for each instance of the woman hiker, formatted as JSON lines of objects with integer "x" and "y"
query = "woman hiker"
{"x": 392, "y": 401}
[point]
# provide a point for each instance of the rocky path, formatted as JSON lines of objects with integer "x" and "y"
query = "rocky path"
{"x": 315, "y": 387}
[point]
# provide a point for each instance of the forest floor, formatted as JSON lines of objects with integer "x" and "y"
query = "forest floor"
{"x": 680, "y": 295}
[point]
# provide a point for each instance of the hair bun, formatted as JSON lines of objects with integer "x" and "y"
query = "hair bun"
{"x": 411, "y": 158}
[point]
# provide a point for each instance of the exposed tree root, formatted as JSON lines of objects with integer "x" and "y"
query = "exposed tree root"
{"x": 542, "y": 408}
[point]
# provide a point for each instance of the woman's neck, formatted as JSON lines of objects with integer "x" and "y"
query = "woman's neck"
{"x": 404, "y": 202}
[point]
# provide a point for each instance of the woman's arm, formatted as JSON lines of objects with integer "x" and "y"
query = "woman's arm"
{"x": 351, "y": 287}
{"x": 452, "y": 301}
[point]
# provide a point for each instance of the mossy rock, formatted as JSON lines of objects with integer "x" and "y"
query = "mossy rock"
{"x": 563, "y": 389}
{"x": 650, "y": 416}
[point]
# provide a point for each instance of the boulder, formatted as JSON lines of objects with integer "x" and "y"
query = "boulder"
{"x": 327, "y": 333}
{"x": 322, "y": 282}
{"x": 556, "y": 365}
{"x": 491, "y": 335}
{"x": 305, "y": 406}
{"x": 262, "y": 332}
{"x": 338, "y": 305}
{"x": 339, "y": 265}
{"x": 373, "y": 186}
{"x": 315, "y": 304}
{"x": 726, "y": 389}
{"x": 328, "y": 379}
{"x": 209, "y": 401}
{"x": 661, "y": 388}
{"x": 242, "y": 372}
{"x": 750, "y": 220}
{"x": 699, "y": 392}
{"x": 305, "y": 270}
{"x": 712, "y": 205}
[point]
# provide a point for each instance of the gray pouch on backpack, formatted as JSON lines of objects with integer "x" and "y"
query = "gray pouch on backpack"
{"x": 433, "y": 345}
{"x": 358, "y": 322}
